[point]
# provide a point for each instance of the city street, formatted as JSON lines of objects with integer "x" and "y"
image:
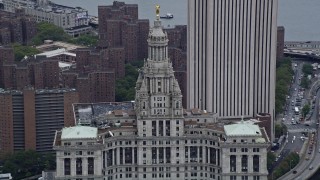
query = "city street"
{"x": 309, "y": 161}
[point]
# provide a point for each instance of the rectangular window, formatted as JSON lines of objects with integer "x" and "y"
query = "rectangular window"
{"x": 90, "y": 165}
{"x": 233, "y": 177}
{"x": 244, "y": 177}
{"x": 244, "y": 149}
{"x": 67, "y": 166}
{"x": 256, "y": 177}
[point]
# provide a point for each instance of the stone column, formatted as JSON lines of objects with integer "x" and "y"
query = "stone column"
{"x": 198, "y": 154}
{"x": 189, "y": 154}
{"x": 97, "y": 165}
{"x": 208, "y": 155}
{"x": 151, "y": 85}
{"x": 164, "y": 127}
{"x": 250, "y": 163}
{"x": 204, "y": 155}
{"x": 60, "y": 167}
{"x": 118, "y": 156}
{"x": 73, "y": 166}
{"x": 157, "y": 127}
{"x": 238, "y": 163}
{"x": 85, "y": 166}
{"x": 113, "y": 157}
{"x": 157, "y": 160}
{"x": 123, "y": 156}
{"x": 132, "y": 154}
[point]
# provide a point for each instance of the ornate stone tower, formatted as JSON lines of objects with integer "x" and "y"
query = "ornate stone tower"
{"x": 158, "y": 95}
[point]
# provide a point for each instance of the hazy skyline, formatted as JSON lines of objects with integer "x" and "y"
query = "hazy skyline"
{"x": 298, "y": 17}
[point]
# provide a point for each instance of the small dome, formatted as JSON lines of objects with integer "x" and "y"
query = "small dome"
{"x": 156, "y": 34}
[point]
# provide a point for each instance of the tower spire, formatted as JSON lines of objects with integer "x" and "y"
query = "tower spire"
{"x": 157, "y": 92}
{"x": 157, "y": 11}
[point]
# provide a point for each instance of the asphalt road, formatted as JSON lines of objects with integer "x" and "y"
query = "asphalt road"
{"x": 307, "y": 166}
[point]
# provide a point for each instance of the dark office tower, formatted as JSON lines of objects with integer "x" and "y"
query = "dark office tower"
{"x": 119, "y": 27}
{"x": 30, "y": 117}
{"x": 280, "y": 42}
{"x": 232, "y": 55}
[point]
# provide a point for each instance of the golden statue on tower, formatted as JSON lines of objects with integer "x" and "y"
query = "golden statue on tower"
{"x": 158, "y": 11}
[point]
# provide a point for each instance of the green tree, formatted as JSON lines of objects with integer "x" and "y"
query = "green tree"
{"x": 284, "y": 75}
{"x": 125, "y": 87}
{"x": 85, "y": 40}
{"x": 21, "y": 51}
{"x": 49, "y": 31}
{"x": 305, "y": 110}
{"x": 307, "y": 69}
{"x": 286, "y": 165}
{"x": 305, "y": 82}
{"x": 271, "y": 157}
{"x": 280, "y": 130}
{"x": 28, "y": 163}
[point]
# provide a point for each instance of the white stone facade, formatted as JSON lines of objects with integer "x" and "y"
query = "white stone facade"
{"x": 232, "y": 56}
{"x": 44, "y": 11}
{"x": 162, "y": 140}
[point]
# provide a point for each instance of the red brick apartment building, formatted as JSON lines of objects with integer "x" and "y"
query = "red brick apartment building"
{"x": 119, "y": 26}
{"x": 177, "y": 49}
{"x": 16, "y": 27}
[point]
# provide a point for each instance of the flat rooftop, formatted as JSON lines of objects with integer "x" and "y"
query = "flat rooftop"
{"x": 86, "y": 112}
{"x": 57, "y": 52}
{"x": 243, "y": 128}
{"x": 79, "y": 132}
{"x": 58, "y": 44}
{"x": 38, "y": 91}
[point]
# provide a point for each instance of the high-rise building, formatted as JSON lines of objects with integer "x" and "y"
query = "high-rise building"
{"x": 232, "y": 56}
{"x": 177, "y": 52}
{"x": 37, "y": 72}
{"x": 17, "y": 27}
{"x": 158, "y": 139}
{"x": 280, "y": 42}
{"x": 29, "y": 118}
{"x": 119, "y": 26}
